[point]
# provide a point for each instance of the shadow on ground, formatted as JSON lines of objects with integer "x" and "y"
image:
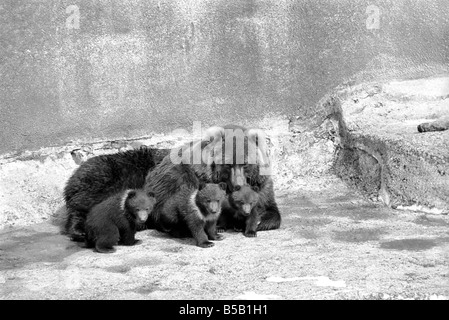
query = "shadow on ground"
{"x": 332, "y": 245}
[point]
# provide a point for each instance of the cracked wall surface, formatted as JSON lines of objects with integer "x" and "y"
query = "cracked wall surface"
{"x": 86, "y": 69}
{"x": 383, "y": 152}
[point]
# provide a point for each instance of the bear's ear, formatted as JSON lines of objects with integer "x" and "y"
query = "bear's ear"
{"x": 237, "y": 187}
{"x": 131, "y": 194}
{"x": 255, "y": 188}
{"x": 201, "y": 185}
{"x": 223, "y": 186}
{"x": 151, "y": 194}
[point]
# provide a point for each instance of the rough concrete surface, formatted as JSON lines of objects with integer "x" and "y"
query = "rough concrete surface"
{"x": 382, "y": 152}
{"x": 110, "y": 69}
{"x": 332, "y": 245}
{"x": 333, "y": 242}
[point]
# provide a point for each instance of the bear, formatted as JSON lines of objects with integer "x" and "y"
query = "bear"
{"x": 194, "y": 213}
{"x": 270, "y": 217}
{"x": 102, "y": 176}
{"x": 252, "y": 173}
{"x": 221, "y": 161}
{"x": 114, "y": 220}
{"x": 238, "y": 211}
{"x": 193, "y": 208}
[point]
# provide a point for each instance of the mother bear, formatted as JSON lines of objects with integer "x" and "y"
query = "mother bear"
{"x": 231, "y": 154}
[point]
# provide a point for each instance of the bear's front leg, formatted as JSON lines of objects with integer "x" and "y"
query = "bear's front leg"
{"x": 105, "y": 242}
{"x": 221, "y": 229}
{"x": 196, "y": 227}
{"x": 239, "y": 225}
{"x": 127, "y": 237}
{"x": 251, "y": 224}
{"x": 211, "y": 231}
{"x": 222, "y": 224}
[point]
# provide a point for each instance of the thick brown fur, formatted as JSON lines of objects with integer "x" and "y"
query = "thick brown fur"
{"x": 114, "y": 220}
{"x": 193, "y": 208}
{"x": 217, "y": 166}
{"x": 102, "y": 176}
{"x": 249, "y": 173}
{"x": 240, "y": 211}
{"x": 270, "y": 217}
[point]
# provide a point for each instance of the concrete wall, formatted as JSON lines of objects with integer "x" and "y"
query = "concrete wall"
{"x": 131, "y": 67}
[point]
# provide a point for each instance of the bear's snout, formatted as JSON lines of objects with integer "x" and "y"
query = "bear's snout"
{"x": 142, "y": 215}
{"x": 247, "y": 209}
{"x": 213, "y": 206}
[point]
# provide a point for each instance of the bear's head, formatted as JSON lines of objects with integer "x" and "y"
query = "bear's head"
{"x": 210, "y": 197}
{"x": 238, "y": 156}
{"x": 138, "y": 204}
{"x": 244, "y": 199}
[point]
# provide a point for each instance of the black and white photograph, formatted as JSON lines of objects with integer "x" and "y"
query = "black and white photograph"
{"x": 224, "y": 154}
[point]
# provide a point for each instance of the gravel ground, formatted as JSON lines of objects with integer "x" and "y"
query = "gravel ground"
{"x": 332, "y": 245}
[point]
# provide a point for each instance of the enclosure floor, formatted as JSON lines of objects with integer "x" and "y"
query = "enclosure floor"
{"x": 332, "y": 245}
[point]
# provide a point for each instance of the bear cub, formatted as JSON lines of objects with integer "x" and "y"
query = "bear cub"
{"x": 194, "y": 212}
{"x": 100, "y": 177}
{"x": 241, "y": 211}
{"x": 114, "y": 221}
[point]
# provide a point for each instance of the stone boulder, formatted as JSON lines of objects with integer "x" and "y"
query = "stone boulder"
{"x": 381, "y": 150}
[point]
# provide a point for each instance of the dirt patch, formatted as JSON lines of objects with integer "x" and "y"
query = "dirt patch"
{"x": 360, "y": 212}
{"x": 173, "y": 249}
{"x": 431, "y": 221}
{"x": 340, "y": 199}
{"x": 310, "y": 245}
{"x": 313, "y": 222}
{"x": 409, "y": 244}
{"x": 308, "y": 234}
{"x": 151, "y": 261}
{"x": 443, "y": 240}
{"x": 118, "y": 269}
{"x": 359, "y": 235}
{"x": 19, "y": 250}
{"x": 148, "y": 288}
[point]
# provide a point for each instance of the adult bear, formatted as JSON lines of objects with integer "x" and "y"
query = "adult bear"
{"x": 231, "y": 154}
{"x": 100, "y": 177}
